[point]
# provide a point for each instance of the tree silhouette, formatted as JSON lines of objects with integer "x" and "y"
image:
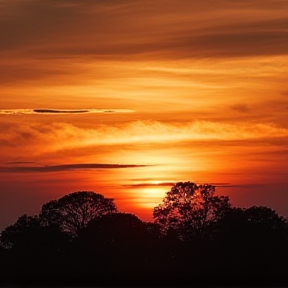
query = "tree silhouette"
{"x": 73, "y": 212}
{"x": 117, "y": 244}
{"x": 14, "y": 234}
{"x": 28, "y": 235}
{"x": 116, "y": 227}
{"x": 255, "y": 239}
{"x": 240, "y": 245}
{"x": 258, "y": 224}
{"x": 118, "y": 231}
{"x": 28, "y": 240}
{"x": 265, "y": 217}
{"x": 190, "y": 209}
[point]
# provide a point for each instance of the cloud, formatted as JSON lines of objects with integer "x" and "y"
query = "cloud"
{"x": 251, "y": 185}
{"x": 61, "y": 111}
{"x": 162, "y": 29}
{"x": 144, "y": 185}
{"x": 65, "y": 167}
{"x": 146, "y": 131}
{"x": 20, "y": 163}
{"x": 38, "y": 139}
{"x": 170, "y": 184}
{"x": 242, "y": 108}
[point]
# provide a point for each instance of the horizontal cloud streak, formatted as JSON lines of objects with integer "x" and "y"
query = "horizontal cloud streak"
{"x": 36, "y": 139}
{"x": 163, "y": 28}
{"x": 66, "y": 167}
{"x": 61, "y": 111}
{"x": 20, "y": 162}
{"x": 65, "y": 135}
{"x": 170, "y": 184}
{"x": 144, "y": 185}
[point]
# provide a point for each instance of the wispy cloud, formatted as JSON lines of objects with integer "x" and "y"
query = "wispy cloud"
{"x": 251, "y": 185}
{"x": 169, "y": 32}
{"x": 242, "y": 108}
{"x": 61, "y": 111}
{"x": 170, "y": 184}
{"x": 21, "y": 163}
{"x": 60, "y": 136}
{"x": 144, "y": 185}
{"x": 65, "y": 167}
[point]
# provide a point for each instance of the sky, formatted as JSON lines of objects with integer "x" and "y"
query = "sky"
{"x": 128, "y": 97}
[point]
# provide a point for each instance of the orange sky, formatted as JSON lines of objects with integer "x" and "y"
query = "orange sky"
{"x": 142, "y": 94}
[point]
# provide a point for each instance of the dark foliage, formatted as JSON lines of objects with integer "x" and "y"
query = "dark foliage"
{"x": 31, "y": 249}
{"x": 72, "y": 212}
{"x": 240, "y": 247}
{"x": 190, "y": 209}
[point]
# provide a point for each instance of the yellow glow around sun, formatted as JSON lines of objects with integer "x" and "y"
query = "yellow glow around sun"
{"x": 150, "y": 197}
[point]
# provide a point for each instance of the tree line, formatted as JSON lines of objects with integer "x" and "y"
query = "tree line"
{"x": 195, "y": 238}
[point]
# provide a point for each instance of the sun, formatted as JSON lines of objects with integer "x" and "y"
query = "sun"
{"x": 151, "y": 196}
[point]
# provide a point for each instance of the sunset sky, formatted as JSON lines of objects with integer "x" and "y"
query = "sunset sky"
{"x": 127, "y": 97}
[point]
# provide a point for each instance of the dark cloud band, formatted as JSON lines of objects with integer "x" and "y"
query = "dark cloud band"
{"x": 61, "y": 111}
{"x": 143, "y": 185}
{"x": 66, "y": 167}
{"x": 169, "y": 184}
